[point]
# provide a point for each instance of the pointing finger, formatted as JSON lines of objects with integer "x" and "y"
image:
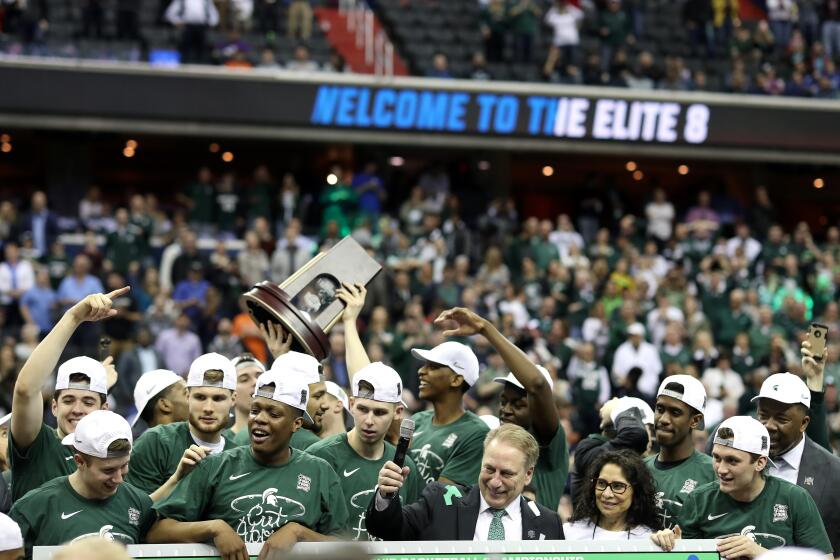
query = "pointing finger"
{"x": 119, "y": 292}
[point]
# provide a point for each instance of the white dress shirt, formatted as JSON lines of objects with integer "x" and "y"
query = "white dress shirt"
{"x": 646, "y": 357}
{"x": 786, "y": 467}
{"x": 511, "y": 521}
{"x": 585, "y": 531}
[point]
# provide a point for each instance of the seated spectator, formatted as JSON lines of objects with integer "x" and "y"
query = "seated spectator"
{"x": 336, "y": 63}
{"x": 479, "y": 70}
{"x": 440, "y": 67}
{"x": 268, "y": 60}
{"x": 229, "y": 48}
{"x": 643, "y": 74}
{"x": 301, "y": 61}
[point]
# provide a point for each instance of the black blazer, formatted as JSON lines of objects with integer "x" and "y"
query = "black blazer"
{"x": 431, "y": 519}
{"x": 819, "y": 472}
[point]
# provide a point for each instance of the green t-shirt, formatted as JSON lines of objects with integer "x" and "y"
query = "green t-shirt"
{"x": 242, "y": 437}
{"x": 257, "y": 499}
{"x": 43, "y": 461}
{"x": 675, "y": 483}
{"x": 552, "y": 470}
{"x": 303, "y": 438}
{"x": 157, "y": 452}
{"x": 55, "y": 514}
{"x": 359, "y": 477}
{"x": 782, "y": 515}
{"x": 452, "y": 451}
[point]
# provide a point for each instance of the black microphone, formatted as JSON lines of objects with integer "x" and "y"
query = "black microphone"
{"x": 406, "y": 432}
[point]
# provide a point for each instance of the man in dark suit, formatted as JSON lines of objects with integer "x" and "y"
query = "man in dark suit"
{"x": 493, "y": 509}
{"x": 40, "y": 222}
{"x": 785, "y": 408}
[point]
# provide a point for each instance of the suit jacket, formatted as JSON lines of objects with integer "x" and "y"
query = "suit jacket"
{"x": 819, "y": 472}
{"x": 432, "y": 519}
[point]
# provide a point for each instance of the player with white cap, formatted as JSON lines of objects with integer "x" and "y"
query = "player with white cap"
{"x": 337, "y": 418}
{"x": 211, "y": 383}
{"x": 358, "y": 455}
{"x": 527, "y": 400}
{"x": 448, "y": 440}
{"x": 35, "y": 450}
{"x": 785, "y": 408}
{"x": 678, "y": 468}
{"x": 94, "y": 500}
{"x": 265, "y": 492}
{"x": 248, "y": 369}
{"x": 748, "y": 511}
{"x": 11, "y": 539}
{"x": 160, "y": 397}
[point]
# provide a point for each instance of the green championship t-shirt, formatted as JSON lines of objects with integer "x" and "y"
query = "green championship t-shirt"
{"x": 243, "y": 437}
{"x": 55, "y": 514}
{"x": 452, "y": 451}
{"x": 782, "y": 515}
{"x": 552, "y": 470}
{"x": 257, "y": 499}
{"x": 675, "y": 481}
{"x": 359, "y": 477}
{"x": 156, "y": 455}
{"x": 43, "y": 461}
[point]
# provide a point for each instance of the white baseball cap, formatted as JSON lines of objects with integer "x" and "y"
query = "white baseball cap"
{"x": 212, "y": 361}
{"x": 492, "y": 422}
{"x": 626, "y": 403}
{"x": 300, "y": 365}
{"x": 288, "y": 389}
{"x": 749, "y": 435}
{"x": 11, "y": 537}
{"x": 150, "y": 385}
{"x": 510, "y": 378}
{"x": 96, "y": 431}
{"x": 246, "y": 360}
{"x": 336, "y": 391}
{"x": 454, "y": 355}
{"x": 94, "y": 370}
{"x": 637, "y": 329}
{"x": 693, "y": 393}
{"x": 386, "y": 382}
{"x": 6, "y": 420}
{"x": 786, "y": 388}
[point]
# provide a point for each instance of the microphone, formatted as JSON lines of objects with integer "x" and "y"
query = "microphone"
{"x": 406, "y": 432}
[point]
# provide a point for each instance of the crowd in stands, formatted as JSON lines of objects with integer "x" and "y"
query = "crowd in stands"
{"x": 790, "y": 50}
{"x": 610, "y": 300}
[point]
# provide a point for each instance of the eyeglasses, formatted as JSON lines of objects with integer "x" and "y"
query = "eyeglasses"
{"x": 616, "y": 487}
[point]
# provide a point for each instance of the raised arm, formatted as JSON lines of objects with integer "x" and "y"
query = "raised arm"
{"x": 192, "y": 457}
{"x": 27, "y": 404}
{"x": 540, "y": 398}
{"x": 353, "y": 297}
{"x": 814, "y": 371}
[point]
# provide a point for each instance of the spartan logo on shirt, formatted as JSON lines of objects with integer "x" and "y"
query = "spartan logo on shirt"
{"x": 661, "y": 502}
{"x": 262, "y": 514}
{"x": 780, "y": 513}
{"x": 360, "y": 501}
{"x": 107, "y": 533}
{"x": 688, "y": 486}
{"x": 428, "y": 462}
{"x": 133, "y": 516}
{"x": 765, "y": 540}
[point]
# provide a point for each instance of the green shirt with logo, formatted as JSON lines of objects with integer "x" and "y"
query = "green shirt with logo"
{"x": 257, "y": 499}
{"x": 55, "y": 514}
{"x": 41, "y": 462}
{"x": 782, "y": 515}
{"x": 452, "y": 451}
{"x": 157, "y": 452}
{"x": 675, "y": 481}
{"x": 359, "y": 477}
{"x": 552, "y": 470}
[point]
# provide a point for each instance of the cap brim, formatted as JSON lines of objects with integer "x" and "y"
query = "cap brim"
{"x": 69, "y": 439}
{"x": 135, "y": 419}
{"x": 6, "y": 419}
{"x": 509, "y": 379}
{"x": 424, "y": 355}
{"x": 307, "y": 418}
{"x": 760, "y": 396}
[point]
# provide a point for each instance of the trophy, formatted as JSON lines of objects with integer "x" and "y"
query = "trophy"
{"x": 305, "y": 304}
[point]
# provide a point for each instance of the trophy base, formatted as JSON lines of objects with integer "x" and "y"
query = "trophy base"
{"x": 267, "y": 302}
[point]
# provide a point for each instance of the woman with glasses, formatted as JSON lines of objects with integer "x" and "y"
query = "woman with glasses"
{"x": 618, "y": 501}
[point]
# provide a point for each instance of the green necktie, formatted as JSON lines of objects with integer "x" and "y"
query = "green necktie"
{"x": 497, "y": 530}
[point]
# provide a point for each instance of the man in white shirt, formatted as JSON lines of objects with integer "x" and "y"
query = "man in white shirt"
{"x": 493, "y": 509}
{"x": 16, "y": 277}
{"x": 637, "y": 352}
{"x": 742, "y": 239}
